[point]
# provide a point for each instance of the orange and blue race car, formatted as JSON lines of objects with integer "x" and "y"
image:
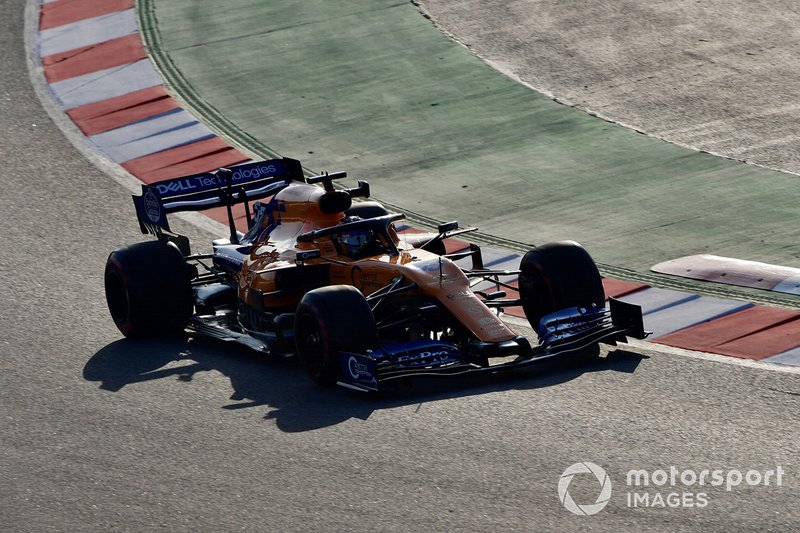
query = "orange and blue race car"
{"x": 332, "y": 282}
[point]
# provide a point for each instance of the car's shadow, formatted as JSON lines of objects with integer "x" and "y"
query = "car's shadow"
{"x": 291, "y": 399}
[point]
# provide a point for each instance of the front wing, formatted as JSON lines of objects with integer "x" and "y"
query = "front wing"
{"x": 560, "y": 334}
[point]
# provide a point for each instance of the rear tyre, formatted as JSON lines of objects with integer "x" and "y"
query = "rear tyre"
{"x": 148, "y": 289}
{"x": 558, "y": 275}
{"x": 330, "y": 320}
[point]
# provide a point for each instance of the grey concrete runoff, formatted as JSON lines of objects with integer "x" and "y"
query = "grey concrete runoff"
{"x": 715, "y": 75}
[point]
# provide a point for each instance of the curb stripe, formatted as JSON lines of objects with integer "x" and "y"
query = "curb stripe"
{"x": 134, "y": 141}
{"x": 113, "y": 53}
{"x": 193, "y": 158}
{"x": 790, "y": 358}
{"x": 122, "y": 110}
{"x": 144, "y": 128}
{"x": 696, "y": 311}
{"x": 88, "y": 32}
{"x": 616, "y": 288}
{"x": 754, "y": 333}
{"x": 652, "y": 299}
{"x": 764, "y": 343}
{"x": 104, "y": 84}
{"x": 61, "y": 12}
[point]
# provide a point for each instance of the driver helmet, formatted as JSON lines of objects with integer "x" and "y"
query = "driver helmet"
{"x": 354, "y": 241}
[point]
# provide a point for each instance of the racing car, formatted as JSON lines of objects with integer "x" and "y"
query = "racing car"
{"x": 328, "y": 277}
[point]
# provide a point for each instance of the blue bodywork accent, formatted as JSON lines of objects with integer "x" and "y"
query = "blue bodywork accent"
{"x": 271, "y": 211}
{"x": 230, "y": 257}
{"x": 208, "y": 181}
{"x": 417, "y": 354}
{"x": 567, "y": 322}
{"x": 365, "y": 370}
{"x": 358, "y": 369}
{"x": 150, "y": 209}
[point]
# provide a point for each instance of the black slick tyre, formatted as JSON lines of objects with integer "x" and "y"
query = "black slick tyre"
{"x": 148, "y": 289}
{"x": 558, "y": 275}
{"x": 330, "y": 320}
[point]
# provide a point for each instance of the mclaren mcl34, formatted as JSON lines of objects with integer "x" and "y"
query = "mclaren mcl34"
{"x": 333, "y": 282}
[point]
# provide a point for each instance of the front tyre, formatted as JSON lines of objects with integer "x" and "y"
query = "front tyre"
{"x": 556, "y": 276}
{"x": 148, "y": 289}
{"x": 330, "y": 320}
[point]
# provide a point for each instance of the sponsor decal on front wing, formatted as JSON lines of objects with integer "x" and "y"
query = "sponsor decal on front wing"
{"x": 358, "y": 369}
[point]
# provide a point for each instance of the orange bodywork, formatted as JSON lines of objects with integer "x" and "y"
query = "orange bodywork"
{"x": 296, "y": 210}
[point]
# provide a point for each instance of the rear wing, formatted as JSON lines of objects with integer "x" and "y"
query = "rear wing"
{"x": 224, "y": 187}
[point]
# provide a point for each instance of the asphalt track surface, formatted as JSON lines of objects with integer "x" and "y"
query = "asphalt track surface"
{"x": 98, "y": 433}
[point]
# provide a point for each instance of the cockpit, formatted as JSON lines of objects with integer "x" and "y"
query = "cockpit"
{"x": 358, "y": 238}
{"x": 360, "y": 243}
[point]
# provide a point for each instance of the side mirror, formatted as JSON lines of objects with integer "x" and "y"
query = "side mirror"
{"x": 361, "y": 191}
{"x": 447, "y": 226}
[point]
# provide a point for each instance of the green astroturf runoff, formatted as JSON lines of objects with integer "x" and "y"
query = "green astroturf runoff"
{"x": 372, "y": 87}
